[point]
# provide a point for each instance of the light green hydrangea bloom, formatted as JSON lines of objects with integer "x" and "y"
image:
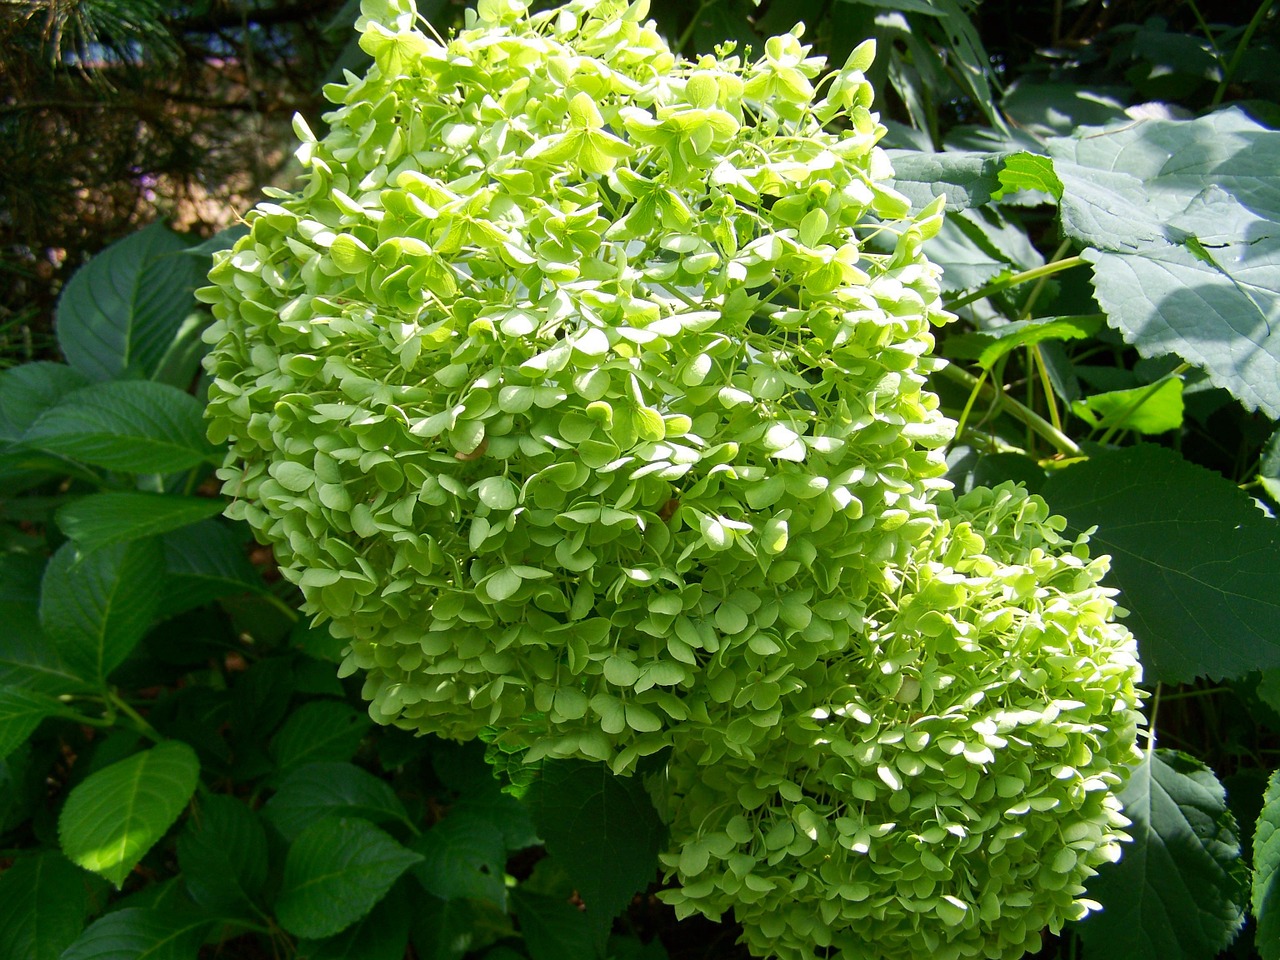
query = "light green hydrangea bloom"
{"x": 943, "y": 787}
{"x": 571, "y": 388}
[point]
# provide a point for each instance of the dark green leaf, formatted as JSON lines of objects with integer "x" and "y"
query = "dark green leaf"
{"x": 320, "y": 790}
{"x": 1197, "y": 564}
{"x": 334, "y": 873}
{"x": 43, "y": 902}
{"x": 553, "y": 929}
{"x": 133, "y": 426}
{"x": 205, "y": 562}
{"x": 28, "y": 390}
{"x": 446, "y": 930}
{"x": 602, "y": 830}
{"x": 103, "y": 519}
{"x": 21, "y": 712}
{"x": 136, "y": 933}
{"x": 120, "y": 312}
{"x": 1180, "y": 888}
{"x": 114, "y": 816}
{"x": 1266, "y": 873}
{"x": 318, "y": 731}
{"x": 96, "y": 607}
{"x": 223, "y": 856}
{"x": 382, "y": 934}
{"x": 463, "y": 856}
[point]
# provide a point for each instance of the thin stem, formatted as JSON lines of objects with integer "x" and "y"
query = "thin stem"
{"x": 1017, "y": 410}
{"x": 148, "y": 731}
{"x": 1188, "y": 694}
{"x": 1042, "y": 368}
{"x": 1145, "y": 396}
{"x": 1229, "y": 73}
{"x": 1151, "y": 724}
{"x": 1025, "y": 276}
{"x": 968, "y": 407}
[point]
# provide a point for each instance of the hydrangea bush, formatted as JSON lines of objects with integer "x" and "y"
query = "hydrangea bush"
{"x": 580, "y": 388}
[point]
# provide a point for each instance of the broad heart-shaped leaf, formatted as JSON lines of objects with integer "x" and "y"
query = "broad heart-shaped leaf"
{"x": 96, "y": 606}
{"x": 138, "y": 933}
{"x": 334, "y": 873}
{"x": 43, "y": 902}
{"x": 113, "y": 817}
{"x": 464, "y": 855}
{"x": 1197, "y": 564}
{"x": 121, "y": 311}
{"x": 27, "y": 658}
{"x": 1266, "y": 873}
{"x": 320, "y": 730}
{"x": 967, "y": 178}
{"x": 602, "y": 830}
{"x": 382, "y": 934}
{"x": 319, "y": 790}
{"x": 103, "y": 519}
{"x": 132, "y": 426}
{"x": 28, "y": 390}
{"x": 21, "y": 712}
{"x": 1180, "y": 887}
{"x": 204, "y": 562}
{"x": 1182, "y": 218}
{"x": 553, "y": 929}
{"x": 223, "y": 856}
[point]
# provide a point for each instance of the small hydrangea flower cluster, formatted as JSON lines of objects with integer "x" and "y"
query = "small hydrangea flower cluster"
{"x": 581, "y": 388}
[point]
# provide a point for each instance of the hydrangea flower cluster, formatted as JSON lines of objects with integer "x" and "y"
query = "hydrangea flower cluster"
{"x": 581, "y": 389}
{"x": 944, "y": 786}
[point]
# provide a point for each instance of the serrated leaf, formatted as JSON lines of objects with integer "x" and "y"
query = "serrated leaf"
{"x": 43, "y": 903}
{"x": 463, "y": 856}
{"x": 132, "y": 426}
{"x": 205, "y": 562}
{"x": 382, "y": 934}
{"x": 27, "y": 657}
{"x": 1145, "y": 409}
{"x": 1029, "y": 171}
{"x": 103, "y": 519}
{"x": 1269, "y": 466}
{"x": 223, "y": 856}
{"x": 138, "y": 933}
{"x": 1197, "y": 564}
{"x": 988, "y": 346}
{"x": 1266, "y": 873}
{"x": 95, "y": 607}
{"x": 28, "y": 390}
{"x": 120, "y": 312}
{"x": 318, "y": 790}
{"x": 113, "y": 817}
{"x": 334, "y": 873}
{"x": 1181, "y": 217}
{"x": 1180, "y": 887}
{"x": 602, "y": 829}
{"x": 967, "y": 178}
{"x": 318, "y": 731}
{"x": 21, "y": 712}
{"x": 552, "y": 928}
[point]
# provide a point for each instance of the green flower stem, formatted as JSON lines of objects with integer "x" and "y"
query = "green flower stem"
{"x": 1013, "y": 280}
{"x": 1137, "y": 404}
{"x": 1229, "y": 73}
{"x": 1019, "y": 411}
{"x": 116, "y": 702}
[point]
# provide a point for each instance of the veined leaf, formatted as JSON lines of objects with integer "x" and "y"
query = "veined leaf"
{"x": 464, "y": 855}
{"x": 223, "y": 856}
{"x": 204, "y": 562}
{"x": 1197, "y": 564}
{"x": 320, "y": 790}
{"x": 132, "y": 426}
{"x": 382, "y": 934}
{"x": 1147, "y": 409}
{"x": 553, "y": 930}
{"x": 988, "y": 346}
{"x": 103, "y": 519}
{"x": 1269, "y": 466}
{"x": 318, "y": 731}
{"x": 120, "y": 312}
{"x": 137, "y": 933}
{"x": 21, "y": 712}
{"x": 1181, "y": 218}
{"x": 1179, "y": 889}
{"x": 967, "y": 178}
{"x": 1266, "y": 873}
{"x": 1029, "y": 171}
{"x": 27, "y": 657}
{"x": 28, "y": 390}
{"x": 43, "y": 902}
{"x": 335, "y": 872}
{"x": 114, "y": 816}
{"x": 96, "y": 607}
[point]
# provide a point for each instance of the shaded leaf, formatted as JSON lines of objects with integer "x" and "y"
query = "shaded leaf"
{"x": 28, "y": 390}
{"x": 462, "y": 856}
{"x": 1266, "y": 873}
{"x": 27, "y": 658}
{"x": 43, "y": 903}
{"x": 223, "y": 856}
{"x": 967, "y": 178}
{"x": 96, "y": 607}
{"x": 113, "y": 817}
{"x": 119, "y": 313}
{"x": 1197, "y": 564}
{"x": 103, "y": 519}
{"x": 382, "y": 934}
{"x": 335, "y": 871}
{"x": 138, "y": 933}
{"x": 553, "y": 929}
{"x": 21, "y": 712}
{"x": 133, "y": 426}
{"x": 1180, "y": 887}
{"x": 318, "y": 731}
{"x": 205, "y": 561}
{"x": 318, "y": 790}
{"x": 447, "y": 930}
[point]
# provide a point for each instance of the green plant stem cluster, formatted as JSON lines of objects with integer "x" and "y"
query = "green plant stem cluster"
{"x": 581, "y": 389}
